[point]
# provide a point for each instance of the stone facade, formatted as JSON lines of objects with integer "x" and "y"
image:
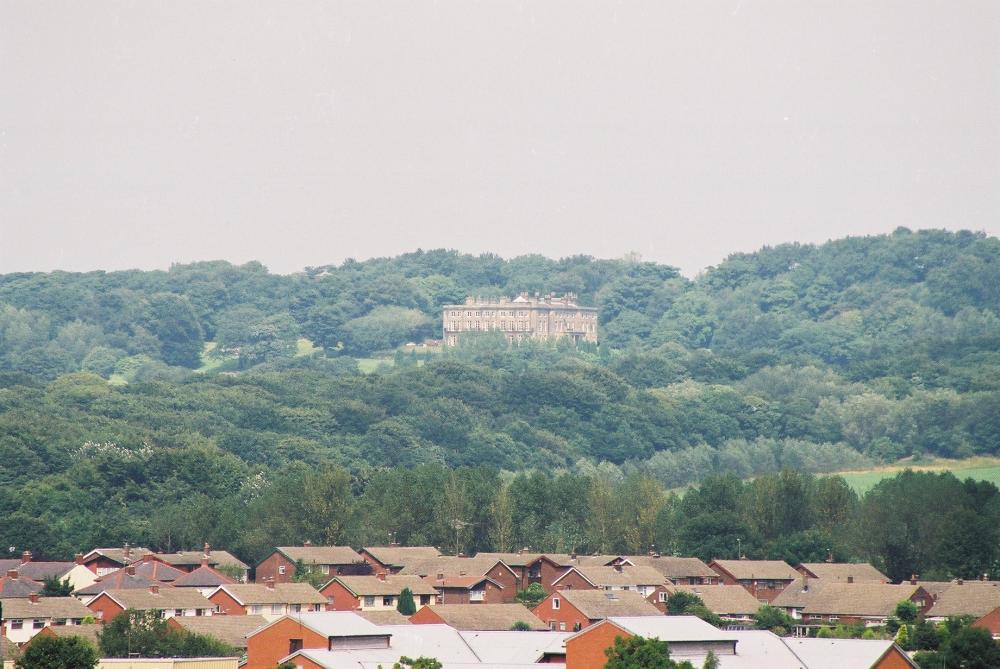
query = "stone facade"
{"x": 521, "y": 318}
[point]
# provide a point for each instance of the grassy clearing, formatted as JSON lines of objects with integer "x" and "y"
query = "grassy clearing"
{"x": 984, "y": 469}
{"x": 369, "y": 365}
{"x": 304, "y": 347}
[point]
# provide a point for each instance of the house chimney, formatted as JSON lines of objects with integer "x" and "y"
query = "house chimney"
{"x": 207, "y": 549}
{"x": 440, "y": 576}
{"x": 572, "y": 556}
{"x": 130, "y": 570}
{"x": 155, "y": 589}
{"x": 33, "y": 598}
{"x": 204, "y": 560}
{"x": 126, "y": 551}
{"x": 78, "y": 558}
{"x": 460, "y": 554}
{"x": 269, "y": 583}
{"x": 984, "y": 577}
{"x": 307, "y": 543}
{"x": 913, "y": 579}
{"x": 11, "y": 573}
{"x": 850, "y": 579}
{"x": 381, "y": 575}
{"x": 618, "y": 568}
{"x": 805, "y": 582}
{"x": 26, "y": 556}
{"x": 959, "y": 581}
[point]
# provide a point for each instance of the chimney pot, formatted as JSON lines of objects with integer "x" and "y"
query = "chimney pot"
{"x": 208, "y": 549}
{"x": 155, "y": 589}
{"x": 11, "y": 573}
{"x": 270, "y": 584}
{"x": 33, "y": 598}
{"x": 959, "y": 582}
{"x": 204, "y": 560}
{"x": 26, "y": 556}
{"x": 130, "y": 570}
{"x": 913, "y": 579}
{"x": 381, "y": 576}
{"x": 307, "y": 543}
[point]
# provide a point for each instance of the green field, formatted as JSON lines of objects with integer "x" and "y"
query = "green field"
{"x": 985, "y": 469}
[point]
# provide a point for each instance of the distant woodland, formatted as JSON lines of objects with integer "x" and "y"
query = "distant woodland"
{"x": 173, "y": 407}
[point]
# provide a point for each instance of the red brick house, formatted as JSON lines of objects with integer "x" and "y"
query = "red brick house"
{"x": 830, "y": 604}
{"x": 279, "y": 566}
{"x": 677, "y": 570}
{"x": 103, "y": 561}
{"x": 732, "y": 603}
{"x": 844, "y": 572}
{"x": 188, "y": 561}
{"x": 168, "y": 601}
{"x": 477, "y": 617}
{"x": 270, "y": 600}
{"x": 120, "y": 579}
{"x": 484, "y": 564}
{"x": 764, "y": 579}
{"x": 572, "y": 610}
{"x": 375, "y": 593}
{"x": 393, "y": 558}
{"x": 643, "y": 580}
{"x": 325, "y": 631}
{"x": 12, "y": 585}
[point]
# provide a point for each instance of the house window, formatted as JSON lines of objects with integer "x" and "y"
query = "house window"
{"x": 38, "y": 624}
{"x": 297, "y": 607}
{"x": 281, "y": 569}
{"x": 276, "y": 608}
{"x": 16, "y": 624}
{"x": 77, "y": 621}
{"x": 199, "y": 612}
{"x": 256, "y": 608}
{"x": 663, "y": 596}
{"x": 317, "y": 607}
{"x": 477, "y": 595}
{"x": 576, "y": 627}
{"x": 369, "y": 600}
{"x": 178, "y": 612}
{"x": 325, "y": 568}
{"x": 294, "y": 645}
{"x": 387, "y": 600}
{"x": 425, "y": 600}
{"x": 59, "y": 622}
{"x": 555, "y": 602}
{"x": 552, "y": 625}
{"x": 562, "y": 627}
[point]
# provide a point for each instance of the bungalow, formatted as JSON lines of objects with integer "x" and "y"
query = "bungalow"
{"x": 393, "y": 558}
{"x": 368, "y": 593}
{"x": 230, "y": 630}
{"x": 204, "y": 578}
{"x": 764, "y": 579}
{"x": 267, "y": 645}
{"x": 86, "y": 631}
{"x": 477, "y": 616}
{"x": 869, "y": 604}
{"x": 961, "y": 598}
{"x": 168, "y": 602}
{"x": 733, "y": 604}
{"x": 679, "y": 570}
{"x": 24, "y": 617}
{"x": 270, "y": 600}
{"x": 572, "y": 610}
{"x": 687, "y": 636}
{"x": 39, "y": 571}
{"x": 484, "y": 564}
{"x": 13, "y": 585}
{"x": 279, "y": 566}
{"x": 644, "y": 580}
{"x": 843, "y": 572}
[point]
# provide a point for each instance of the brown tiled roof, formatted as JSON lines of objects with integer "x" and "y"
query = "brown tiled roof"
{"x": 860, "y": 572}
{"x": 486, "y": 616}
{"x": 765, "y": 570}
{"x": 722, "y": 599}
{"x": 674, "y": 567}
{"x": 281, "y": 593}
{"x": 858, "y": 599}
{"x": 117, "y": 580}
{"x": 11, "y": 586}
{"x": 8, "y": 649}
{"x": 166, "y": 598}
{"x": 87, "y": 632}
{"x": 600, "y": 604}
{"x": 972, "y": 598}
{"x": 392, "y": 585}
{"x": 202, "y": 577}
{"x": 459, "y": 582}
{"x": 118, "y": 554}
{"x": 320, "y": 554}
{"x": 523, "y": 559}
{"x": 192, "y": 558}
{"x": 39, "y": 571}
{"x": 612, "y": 576}
{"x": 45, "y": 607}
{"x": 155, "y": 570}
{"x": 231, "y": 630}
{"x": 452, "y": 565}
{"x": 387, "y": 617}
{"x": 795, "y": 597}
{"x": 400, "y": 556}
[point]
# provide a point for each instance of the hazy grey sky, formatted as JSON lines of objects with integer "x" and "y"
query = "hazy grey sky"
{"x": 136, "y": 134}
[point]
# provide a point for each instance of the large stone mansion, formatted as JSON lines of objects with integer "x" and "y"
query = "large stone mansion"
{"x": 524, "y": 317}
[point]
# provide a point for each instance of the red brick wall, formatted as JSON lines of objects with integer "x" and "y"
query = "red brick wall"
{"x": 104, "y": 608}
{"x": 266, "y": 647}
{"x": 566, "y": 613}
{"x": 343, "y": 600}
{"x": 892, "y": 660}
{"x": 508, "y": 580}
{"x": 228, "y": 605}
{"x": 550, "y": 573}
{"x": 376, "y": 565}
{"x": 990, "y": 621}
{"x": 586, "y": 651}
{"x": 454, "y": 596}
{"x": 572, "y": 581}
{"x": 102, "y": 563}
{"x": 268, "y": 569}
{"x": 426, "y": 616}
{"x": 494, "y": 594}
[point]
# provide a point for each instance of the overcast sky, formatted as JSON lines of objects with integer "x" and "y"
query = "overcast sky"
{"x": 138, "y": 134}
